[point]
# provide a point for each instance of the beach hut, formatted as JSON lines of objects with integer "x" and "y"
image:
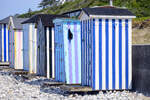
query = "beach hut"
{"x": 30, "y": 45}
{"x": 106, "y": 48}
{"x": 67, "y": 51}
{"x": 4, "y": 40}
{"x": 16, "y": 42}
{"x": 45, "y": 45}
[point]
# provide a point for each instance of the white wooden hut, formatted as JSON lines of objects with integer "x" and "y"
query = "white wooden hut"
{"x": 30, "y": 45}
{"x": 106, "y": 48}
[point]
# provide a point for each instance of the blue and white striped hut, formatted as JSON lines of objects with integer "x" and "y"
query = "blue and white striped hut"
{"x": 106, "y": 48}
{"x": 4, "y": 40}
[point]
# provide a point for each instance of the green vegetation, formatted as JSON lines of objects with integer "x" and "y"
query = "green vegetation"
{"x": 67, "y": 6}
{"x": 141, "y": 8}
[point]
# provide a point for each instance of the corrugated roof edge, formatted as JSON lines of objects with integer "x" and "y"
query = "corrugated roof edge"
{"x": 36, "y": 17}
{"x": 65, "y": 19}
{"x": 17, "y": 22}
{"x": 47, "y": 20}
{"x": 71, "y": 11}
{"x": 107, "y": 7}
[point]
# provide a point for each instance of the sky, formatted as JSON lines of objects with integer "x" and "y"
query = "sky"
{"x": 12, "y": 7}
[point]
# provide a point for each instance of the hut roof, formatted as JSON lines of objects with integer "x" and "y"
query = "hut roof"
{"x": 17, "y": 22}
{"x": 108, "y": 11}
{"x": 5, "y": 20}
{"x": 47, "y": 19}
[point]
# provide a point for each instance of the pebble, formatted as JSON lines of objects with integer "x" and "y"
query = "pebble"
{"x": 14, "y": 88}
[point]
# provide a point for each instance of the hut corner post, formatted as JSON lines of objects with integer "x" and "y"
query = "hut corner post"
{"x": 111, "y": 2}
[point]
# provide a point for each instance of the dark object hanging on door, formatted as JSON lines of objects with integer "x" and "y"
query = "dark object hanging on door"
{"x": 70, "y": 35}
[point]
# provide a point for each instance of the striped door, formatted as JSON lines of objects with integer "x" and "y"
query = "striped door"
{"x": 4, "y": 43}
{"x": 111, "y": 54}
{"x": 68, "y": 52}
{"x": 72, "y": 51}
{"x": 18, "y": 40}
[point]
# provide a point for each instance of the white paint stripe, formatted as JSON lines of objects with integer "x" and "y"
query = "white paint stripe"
{"x": 30, "y": 49}
{"x": 73, "y": 54}
{"x": 123, "y": 55}
{"x": 130, "y": 54}
{"x": 79, "y": 53}
{"x": 117, "y": 54}
{"x": 7, "y": 43}
{"x": 103, "y": 55}
{"x": 47, "y": 36}
{"x": 96, "y": 53}
{"x": 2, "y": 43}
{"x": 53, "y": 58}
{"x": 21, "y": 51}
{"x": 110, "y": 54}
{"x": 65, "y": 27}
{"x": 35, "y": 49}
{"x": 113, "y": 17}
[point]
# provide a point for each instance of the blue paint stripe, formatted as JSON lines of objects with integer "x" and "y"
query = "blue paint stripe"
{"x": 93, "y": 53}
{"x": 91, "y": 66}
{"x": 100, "y": 54}
{"x": 107, "y": 53}
{"x": 120, "y": 54}
{"x": 56, "y": 57}
{"x": 60, "y": 66}
{"x": 113, "y": 53}
{"x": 88, "y": 52}
{"x": 5, "y": 43}
{"x": 81, "y": 57}
{"x": 127, "y": 52}
{"x": 55, "y": 52}
{"x": 84, "y": 53}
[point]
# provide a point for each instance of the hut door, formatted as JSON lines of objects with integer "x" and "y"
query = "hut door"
{"x": 59, "y": 54}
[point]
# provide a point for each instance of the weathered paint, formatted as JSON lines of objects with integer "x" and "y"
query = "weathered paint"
{"x": 11, "y": 47}
{"x": 110, "y": 47}
{"x": 29, "y": 47}
{"x": 67, "y": 52}
{"x": 41, "y": 59}
{"x": 4, "y": 37}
